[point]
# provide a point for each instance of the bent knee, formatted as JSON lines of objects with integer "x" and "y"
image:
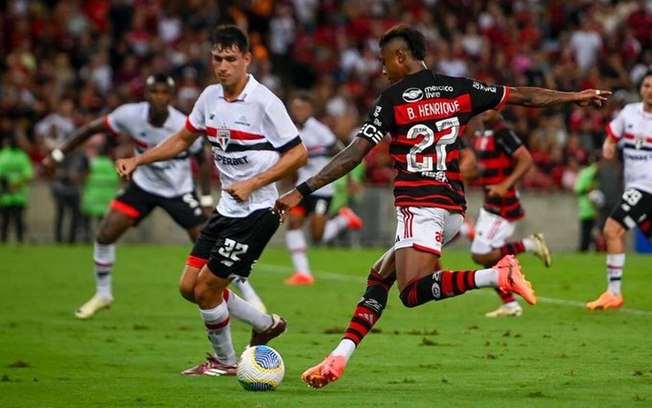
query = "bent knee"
{"x": 613, "y": 229}
{"x": 187, "y": 291}
{"x": 200, "y": 295}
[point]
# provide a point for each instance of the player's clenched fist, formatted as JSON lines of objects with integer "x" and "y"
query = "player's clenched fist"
{"x": 126, "y": 166}
{"x": 287, "y": 201}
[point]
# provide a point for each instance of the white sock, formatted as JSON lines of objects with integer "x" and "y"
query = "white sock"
{"x": 615, "y": 264}
{"x": 218, "y": 328}
{"x": 247, "y": 291}
{"x": 486, "y": 278}
{"x": 530, "y": 244}
{"x": 296, "y": 243}
{"x": 345, "y": 348}
{"x": 247, "y": 313}
{"x": 333, "y": 228}
{"x": 104, "y": 258}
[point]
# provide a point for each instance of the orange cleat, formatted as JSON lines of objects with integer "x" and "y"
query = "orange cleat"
{"x": 326, "y": 372}
{"x": 300, "y": 279}
{"x": 354, "y": 221}
{"x": 607, "y": 300}
{"x": 511, "y": 279}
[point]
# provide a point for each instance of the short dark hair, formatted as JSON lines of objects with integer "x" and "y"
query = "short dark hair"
{"x": 230, "y": 35}
{"x": 645, "y": 75}
{"x": 414, "y": 39}
{"x": 160, "y": 78}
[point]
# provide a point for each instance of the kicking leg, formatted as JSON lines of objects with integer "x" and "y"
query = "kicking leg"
{"x": 249, "y": 293}
{"x": 366, "y": 314}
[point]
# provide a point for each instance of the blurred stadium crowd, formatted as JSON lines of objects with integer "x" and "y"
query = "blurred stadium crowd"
{"x": 67, "y": 62}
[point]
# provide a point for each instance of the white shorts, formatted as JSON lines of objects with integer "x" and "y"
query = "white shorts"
{"x": 491, "y": 231}
{"x": 425, "y": 228}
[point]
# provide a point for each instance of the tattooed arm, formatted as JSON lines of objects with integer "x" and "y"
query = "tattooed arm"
{"x": 534, "y": 97}
{"x": 341, "y": 164}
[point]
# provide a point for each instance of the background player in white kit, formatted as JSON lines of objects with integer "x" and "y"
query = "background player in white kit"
{"x": 633, "y": 128}
{"x": 254, "y": 143}
{"x": 168, "y": 184}
{"x": 321, "y": 143}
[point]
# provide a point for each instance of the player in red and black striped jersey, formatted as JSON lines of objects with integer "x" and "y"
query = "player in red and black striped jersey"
{"x": 502, "y": 160}
{"x": 423, "y": 113}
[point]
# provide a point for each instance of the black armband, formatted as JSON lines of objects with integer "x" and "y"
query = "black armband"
{"x": 304, "y": 189}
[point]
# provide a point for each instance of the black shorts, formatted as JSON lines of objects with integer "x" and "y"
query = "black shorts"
{"x": 635, "y": 208}
{"x": 137, "y": 203}
{"x": 233, "y": 245}
{"x": 315, "y": 204}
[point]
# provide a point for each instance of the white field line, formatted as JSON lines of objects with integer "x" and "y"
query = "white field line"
{"x": 280, "y": 269}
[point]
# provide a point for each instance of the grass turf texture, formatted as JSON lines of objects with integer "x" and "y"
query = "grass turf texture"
{"x": 440, "y": 354}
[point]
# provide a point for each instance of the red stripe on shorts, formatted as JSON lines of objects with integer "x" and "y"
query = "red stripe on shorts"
{"x": 196, "y": 262}
{"x": 126, "y": 209}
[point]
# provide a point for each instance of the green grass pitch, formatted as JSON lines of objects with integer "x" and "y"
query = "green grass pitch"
{"x": 440, "y": 354}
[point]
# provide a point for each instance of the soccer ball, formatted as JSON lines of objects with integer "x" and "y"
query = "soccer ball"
{"x": 260, "y": 368}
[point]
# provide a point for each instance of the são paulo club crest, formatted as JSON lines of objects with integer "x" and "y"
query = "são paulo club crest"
{"x": 223, "y": 136}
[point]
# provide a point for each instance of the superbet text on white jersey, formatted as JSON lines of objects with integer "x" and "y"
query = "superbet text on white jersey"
{"x": 632, "y": 129}
{"x": 246, "y": 136}
{"x": 170, "y": 178}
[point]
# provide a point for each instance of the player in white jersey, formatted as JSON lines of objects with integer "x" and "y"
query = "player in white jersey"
{"x": 633, "y": 129}
{"x": 321, "y": 143}
{"x": 168, "y": 184}
{"x": 254, "y": 143}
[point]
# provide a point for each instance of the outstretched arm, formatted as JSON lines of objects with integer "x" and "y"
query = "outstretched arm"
{"x": 167, "y": 149}
{"x": 77, "y": 138}
{"x": 341, "y": 164}
{"x": 534, "y": 97}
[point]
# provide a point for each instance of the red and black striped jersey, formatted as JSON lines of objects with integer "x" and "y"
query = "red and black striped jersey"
{"x": 424, "y": 114}
{"x": 494, "y": 148}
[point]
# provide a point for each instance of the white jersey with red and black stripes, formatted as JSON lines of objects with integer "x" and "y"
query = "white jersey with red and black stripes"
{"x": 424, "y": 114}
{"x": 170, "y": 178}
{"x": 632, "y": 127}
{"x": 247, "y": 136}
{"x": 319, "y": 141}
